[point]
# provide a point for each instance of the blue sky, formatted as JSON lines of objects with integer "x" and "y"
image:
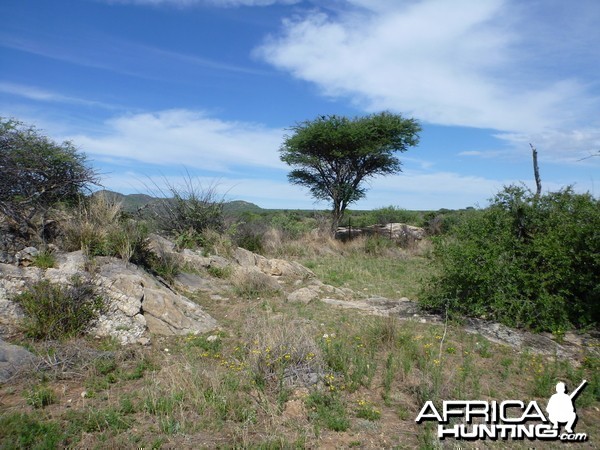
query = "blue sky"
{"x": 152, "y": 88}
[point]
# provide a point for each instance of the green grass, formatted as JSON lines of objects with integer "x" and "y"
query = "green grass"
{"x": 372, "y": 275}
{"x": 45, "y": 259}
{"x": 40, "y": 396}
{"x": 328, "y": 410}
{"x": 22, "y": 430}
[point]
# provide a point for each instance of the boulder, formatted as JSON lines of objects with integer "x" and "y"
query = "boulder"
{"x": 26, "y": 256}
{"x": 13, "y": 281}
{"x": 246, "y": 258}
{"x": 304, "y": 295}
{"x": 14, "y": 359}
{"x": 396, "y": 231}
{"x": 139, "y": 302}
{"x": 158, "y": 244}
{"x": 193, "y": 259}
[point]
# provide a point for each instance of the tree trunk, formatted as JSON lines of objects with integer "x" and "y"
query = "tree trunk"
{"x": 336, "y": 217}
{"x": 536, "y": 172}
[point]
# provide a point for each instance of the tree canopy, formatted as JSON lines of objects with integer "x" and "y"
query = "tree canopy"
{"x": 37, "y": 173}
{"x": 333, "y": 155}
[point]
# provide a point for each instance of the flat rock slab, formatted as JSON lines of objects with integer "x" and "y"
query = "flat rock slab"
{"x": 191, "y": 282}
{"x": 379, "y": 306}
{"x": 572, "y": 348}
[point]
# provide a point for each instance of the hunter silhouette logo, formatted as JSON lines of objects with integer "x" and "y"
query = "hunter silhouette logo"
{"x": 560, "y": 407}
{"x": 510, "y": 419}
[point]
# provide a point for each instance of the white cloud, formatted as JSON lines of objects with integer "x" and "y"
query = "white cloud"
{"x": 450, "y": 63}
{"x": 185, "y": 138}
{"x": 43, "y": 95}
{"x": 235, "y": 154}
{"x": 560, "y": 146}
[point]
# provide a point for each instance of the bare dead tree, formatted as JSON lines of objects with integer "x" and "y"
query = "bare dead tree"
{"x": 536, "y": 172}
{"x": 590, "y": 156}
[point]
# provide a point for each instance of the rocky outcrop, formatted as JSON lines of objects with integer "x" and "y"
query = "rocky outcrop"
{"x": 169, "y": 313}
{"x": 396, "y": 231}
{"x": 136, "y": 302}
{"x": 272, "y": 267}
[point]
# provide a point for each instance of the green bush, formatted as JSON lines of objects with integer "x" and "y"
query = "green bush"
{"x": 327, "y": 410}
{"x": 250, "y": 235}
{"x": 525, "y": 261}
{"x": 54, "y": 311}
{"x": 37, "y": 174}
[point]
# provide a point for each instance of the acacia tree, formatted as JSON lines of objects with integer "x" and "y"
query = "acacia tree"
{"x": 334, "y": 155}
{"x": 36, "y": 173}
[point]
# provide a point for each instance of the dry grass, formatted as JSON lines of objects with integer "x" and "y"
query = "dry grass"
{"x": 90, "y": 223}
{"x": 253, "y": 284}
{"x": 283, "y": 352}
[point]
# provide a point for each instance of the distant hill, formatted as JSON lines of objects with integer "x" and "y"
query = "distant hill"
{"x": 133, "y": 202}
{"x": 240, "y": 206}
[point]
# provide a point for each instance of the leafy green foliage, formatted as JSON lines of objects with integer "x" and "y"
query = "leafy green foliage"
{"x": 333, "y": 155}
{"x": 56, "y": 311}
{"x": 37, "y": 173}
{"x": 525, "y": 261}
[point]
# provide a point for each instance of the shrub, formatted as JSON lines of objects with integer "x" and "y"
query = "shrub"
{"x": 328, "y": 410}
{"x": 525, "y": 261}
{"x": 189, "y": 209}
{"x": 282, "y": 353}
{"x": 37, "y": 173}
{"x": 56, "y": 311}
{"x": 163, "y": 264}
{"x": 250, "y": 235}
{"x": 394, "y": 214}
